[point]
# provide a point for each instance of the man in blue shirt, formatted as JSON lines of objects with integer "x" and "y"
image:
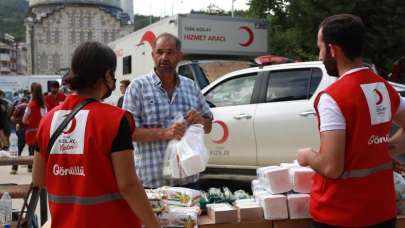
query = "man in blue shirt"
{"x": 158, "y": 101}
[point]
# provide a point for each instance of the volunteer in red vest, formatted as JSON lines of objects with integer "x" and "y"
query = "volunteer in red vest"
{"x": 54, "y": 97}
{"x": 34, "y": 112}
{"x": 89, "y": 172}
{"x": 353, "y": 185}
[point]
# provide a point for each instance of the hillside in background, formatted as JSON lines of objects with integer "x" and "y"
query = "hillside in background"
{"x": 12, "y": 13}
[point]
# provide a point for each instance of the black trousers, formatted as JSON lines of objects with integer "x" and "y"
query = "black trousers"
{"x": 21, "y": 144}
{"x": 387, "y": 224}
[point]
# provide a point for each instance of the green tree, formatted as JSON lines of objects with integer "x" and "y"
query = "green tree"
{"x": 141, "y": 21}
{"x": 12, "y": 14}
{"x": 294, "y": 25}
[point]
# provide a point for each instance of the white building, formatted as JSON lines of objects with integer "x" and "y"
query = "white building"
{"x": 56, "y": 27}
{"x": 13, "y": 56}
{"x": 128, "y": 8}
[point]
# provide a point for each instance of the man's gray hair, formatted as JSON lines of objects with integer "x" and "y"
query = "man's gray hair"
{"x": 168, "y": 36}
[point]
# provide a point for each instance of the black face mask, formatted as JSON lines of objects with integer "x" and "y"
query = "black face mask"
{"x": 110, "y": 90}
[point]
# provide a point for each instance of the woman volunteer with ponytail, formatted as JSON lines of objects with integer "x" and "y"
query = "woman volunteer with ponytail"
{"x": 87, "y": 163}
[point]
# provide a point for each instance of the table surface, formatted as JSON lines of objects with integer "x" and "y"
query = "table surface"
{"x": 22, "y": 160}
{"x": 15, "y": 191}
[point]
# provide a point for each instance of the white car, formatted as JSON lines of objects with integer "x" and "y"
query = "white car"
{"x": 262, "y": 115}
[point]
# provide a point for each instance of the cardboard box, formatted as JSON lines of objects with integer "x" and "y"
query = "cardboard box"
{"x": 222, "y": 213}
{"x": 249, "y": 212}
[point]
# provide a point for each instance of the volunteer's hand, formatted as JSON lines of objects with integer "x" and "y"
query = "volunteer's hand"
{"x": 302, "y": 156}
{"x": 398, "y": 166}
{"x": 176, "y": 131}
{"x": 193, "y": 117}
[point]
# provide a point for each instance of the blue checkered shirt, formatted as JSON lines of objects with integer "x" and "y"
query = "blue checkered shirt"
{"x": 151, "y": 107}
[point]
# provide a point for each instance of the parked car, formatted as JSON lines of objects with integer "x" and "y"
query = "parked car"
{"x": 262, "y": 115}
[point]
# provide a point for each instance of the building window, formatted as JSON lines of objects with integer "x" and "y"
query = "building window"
{"x": 82, "y": 38}
{"x": 43, "y": 62}
{"x": 89, "y": 21}
{"x": 56, "y": 62}
{"x": 90, "y": 35}
{"x": 81, "y": 20}
{"x": 73, "y": 36}
{"x": 106, "y": 37}
{"x": 127, "y": 65}
{"x": 57, "y": 34}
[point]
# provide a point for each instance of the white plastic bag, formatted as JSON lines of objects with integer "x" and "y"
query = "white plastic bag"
{"x": 171, "y": 165}
{"x": 192, "y": 153}
{"x": 188, "y": 156}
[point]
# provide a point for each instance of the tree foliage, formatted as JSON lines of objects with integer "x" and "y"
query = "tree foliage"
{"x": 141, "y": 21}
{"x": 12, "y": 13}
{"x": 294, "y": 25}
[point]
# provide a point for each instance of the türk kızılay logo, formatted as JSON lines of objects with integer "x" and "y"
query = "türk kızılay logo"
{"x": 71, "y": 140}
{"x": 378, "y": 101}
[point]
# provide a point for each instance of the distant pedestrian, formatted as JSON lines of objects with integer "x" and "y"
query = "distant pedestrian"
{"x": 34, "y": 112}
{"x": 54, "y": 97}
{"x": 123, "y": 87}
{"x": 16, "y": 118}
{"x": 5, "y": 109}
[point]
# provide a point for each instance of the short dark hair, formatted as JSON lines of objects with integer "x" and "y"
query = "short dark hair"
{"x": 168, "y": 36}
{"x": 347, "y": 31}
{"x": 90, "y": 62}
{"x": 54, "y": 84}
{"x": 125, "y": 82}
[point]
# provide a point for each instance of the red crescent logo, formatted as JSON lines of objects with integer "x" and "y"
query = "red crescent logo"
{"x": 380, "y": 97}
{"x": 250, "y": 39}
{"x": 72, "y": 127}
{"x": 148, "y": 37}
{"x": 225, "y": 129}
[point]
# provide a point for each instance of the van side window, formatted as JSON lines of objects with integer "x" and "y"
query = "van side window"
{"x": 127, "y": 65}
{"x": 235, "y": 91}
{"x": 289, "y": 85}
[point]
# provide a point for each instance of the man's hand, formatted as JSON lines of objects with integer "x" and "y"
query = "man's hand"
{"x": 176, "y": 131}
{"x": 302, "y": 156}
{"x": 193, "y": 117}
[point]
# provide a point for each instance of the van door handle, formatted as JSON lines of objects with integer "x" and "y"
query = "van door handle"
{"x": 242, "y": 116}
{"x": 308, "y": 113}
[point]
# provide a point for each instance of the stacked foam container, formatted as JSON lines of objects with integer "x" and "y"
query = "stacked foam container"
{"x": 283, "y": 191}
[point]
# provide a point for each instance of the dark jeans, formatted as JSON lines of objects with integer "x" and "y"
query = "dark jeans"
{"x": 21, "y": 144}
{"x": 387, "y": 224}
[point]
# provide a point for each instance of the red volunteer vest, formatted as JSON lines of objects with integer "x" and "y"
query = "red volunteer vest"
{"x": 80, "y": 181}
{"x": 364, "y": 195}
{"x": 33, "y": 123}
